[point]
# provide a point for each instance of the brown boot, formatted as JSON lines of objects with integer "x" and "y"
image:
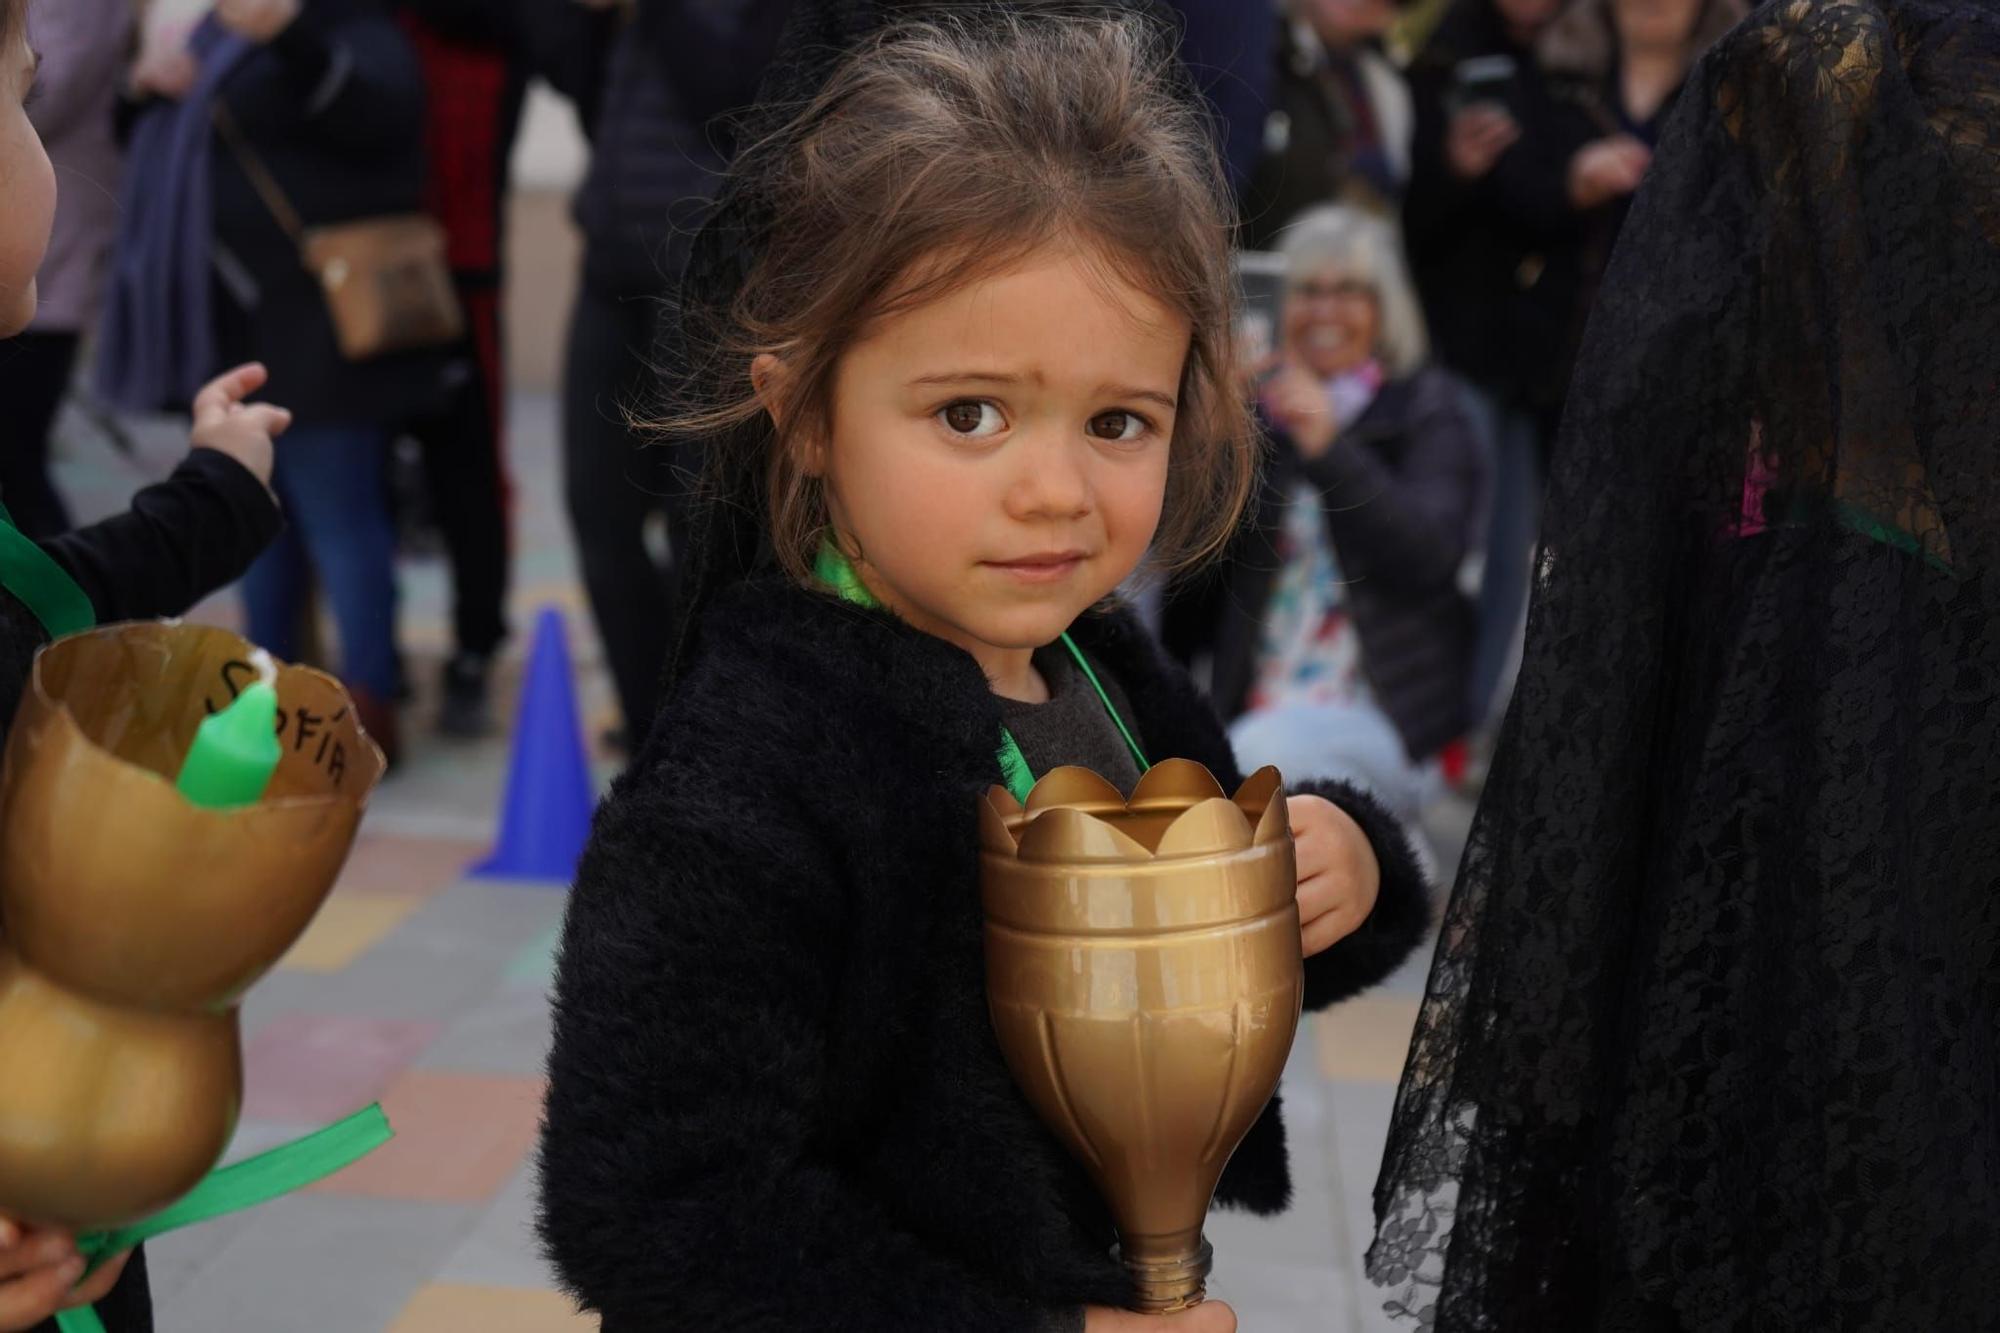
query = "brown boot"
{"x": 378, "y": 718}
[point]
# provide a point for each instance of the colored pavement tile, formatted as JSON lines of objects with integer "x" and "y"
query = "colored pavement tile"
{"x": 347, "y": 926}
{"x": 312, "y": 1067}
{"x": 502, "y": 1249}
{"x": 448, "y": 1308}
{"x": 383, "y": 863}
{"x": 458, "y": 1138}
{"x": 1366, "y": 1039}
{"x": 535, "y": 966}
{"x": 310, "y": 1263}
{"x": 506, "y": 1034}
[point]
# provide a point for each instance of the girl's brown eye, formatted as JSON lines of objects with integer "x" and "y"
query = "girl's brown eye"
{"x": 1116, "y": 426}
{"x": 972, "y": 418}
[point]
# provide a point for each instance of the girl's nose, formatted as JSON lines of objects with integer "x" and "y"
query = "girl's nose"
{"x": 1051, "y": 480}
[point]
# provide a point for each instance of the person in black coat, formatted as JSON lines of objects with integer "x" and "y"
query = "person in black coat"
{"x": 1338, "y": 130}
{"x": 1615, "y": 69}
{"x": 1503, "y": 196}
{"x": 1339, "y": 635}
{"x": 331, "y": 102}
{"x": 1496, "y": 210}
{"x": 658, "y": 149}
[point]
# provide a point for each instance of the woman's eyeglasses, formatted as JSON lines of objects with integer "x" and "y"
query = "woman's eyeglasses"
{"x": 1346, "y": 291}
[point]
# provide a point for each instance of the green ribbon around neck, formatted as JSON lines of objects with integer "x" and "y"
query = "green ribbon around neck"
{"x": 232, "y": 1189}
{"x": 834, "y": 570}
{"x": 43, "y": 586}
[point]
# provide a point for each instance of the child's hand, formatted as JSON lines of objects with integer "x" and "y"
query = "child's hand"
{"x": 225, "y": 423}
{"x": 1338, "y": 873}
{"x": 38, "y": 1275}
{"x": 1208, "y": 1317}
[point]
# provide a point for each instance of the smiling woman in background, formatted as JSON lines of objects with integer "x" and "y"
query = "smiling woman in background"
{"x": 1340, "y": 638}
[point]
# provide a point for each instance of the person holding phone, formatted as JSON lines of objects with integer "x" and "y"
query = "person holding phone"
{"x": 1617, "y": 67}
{"x": 1500, "y": 207}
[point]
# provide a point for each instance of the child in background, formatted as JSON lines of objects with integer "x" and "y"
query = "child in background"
{"x": 980, "y": 366}
{"x": 181, "y": 540}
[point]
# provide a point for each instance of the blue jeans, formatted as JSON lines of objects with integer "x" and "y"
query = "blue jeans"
{"x": 332, "y": 481}
{"x": 1354, "y": 743}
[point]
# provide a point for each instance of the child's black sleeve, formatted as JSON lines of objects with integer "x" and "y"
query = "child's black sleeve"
{"x": 684, "y": 1180}
{"x": 182, "y": 539}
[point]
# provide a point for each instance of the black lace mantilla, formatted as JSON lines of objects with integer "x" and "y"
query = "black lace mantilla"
{"x": 1710, "y": 1042}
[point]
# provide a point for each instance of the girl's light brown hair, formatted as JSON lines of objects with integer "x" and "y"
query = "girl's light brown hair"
{"x": 948, "y": 150}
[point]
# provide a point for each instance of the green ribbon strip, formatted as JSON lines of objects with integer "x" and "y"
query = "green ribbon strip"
{"x": 252, "y": 1181}
{"x": 43, "y": 586}
{"x": 834, "y": 570}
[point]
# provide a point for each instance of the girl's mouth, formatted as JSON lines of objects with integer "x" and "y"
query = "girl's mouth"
{"x": 1047, "y": 567}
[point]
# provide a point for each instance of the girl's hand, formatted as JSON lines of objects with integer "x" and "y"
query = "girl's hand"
{"x": 1339, "y": 876}
{"x": 259, "y": 20}
{"x": 1299, "y": 405}
{"x": 244, "y": 431}
{"x": 38, "y": 1276}
{"x": 1208, "y": 1317}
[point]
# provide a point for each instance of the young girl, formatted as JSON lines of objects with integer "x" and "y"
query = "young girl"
{"x": 981, "y": 367}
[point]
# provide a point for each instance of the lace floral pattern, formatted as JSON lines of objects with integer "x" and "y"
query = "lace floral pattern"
{"x": 1712, "y": 1041}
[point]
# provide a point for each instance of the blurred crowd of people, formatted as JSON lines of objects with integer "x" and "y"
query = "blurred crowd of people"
{"x": 1440, "y": 186}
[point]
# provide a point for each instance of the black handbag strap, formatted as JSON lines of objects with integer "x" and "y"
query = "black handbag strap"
{"x": 260, "y": 175}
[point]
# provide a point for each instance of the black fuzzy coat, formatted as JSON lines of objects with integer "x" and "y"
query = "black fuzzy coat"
{"x": 776, "y": 1100}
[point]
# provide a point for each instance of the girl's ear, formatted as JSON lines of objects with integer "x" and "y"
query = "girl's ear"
{"x": 769, "y": 378}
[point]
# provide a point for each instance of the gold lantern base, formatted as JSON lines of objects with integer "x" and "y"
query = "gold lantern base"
{"x": 1175, "y": 1282}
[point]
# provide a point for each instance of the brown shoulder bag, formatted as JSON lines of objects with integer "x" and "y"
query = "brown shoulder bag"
{"x": 386, "y": 281}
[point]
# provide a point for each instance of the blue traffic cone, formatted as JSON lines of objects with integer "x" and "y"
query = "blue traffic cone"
{"x": 546, "y": 815}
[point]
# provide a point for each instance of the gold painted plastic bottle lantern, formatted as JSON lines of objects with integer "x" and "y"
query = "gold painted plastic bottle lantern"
{"x": 132, "y": 922}
{"x": 1144, "y": 974}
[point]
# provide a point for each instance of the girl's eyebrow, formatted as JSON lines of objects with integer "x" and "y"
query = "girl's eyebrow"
{"x": 950, "y": 377}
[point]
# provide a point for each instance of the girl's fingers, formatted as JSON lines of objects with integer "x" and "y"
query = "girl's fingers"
{"x": 1326, "y": 932}
{"x": 99, "y": 1284}
{"x": 33, "y": 1297}
{"x": 35, "y": 1250}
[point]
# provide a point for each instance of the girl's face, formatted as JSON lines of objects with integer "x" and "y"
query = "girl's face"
{"x": 27, "y": 189}
{"x": 999, "y": 456}
{"x": 1332, "y": 322}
